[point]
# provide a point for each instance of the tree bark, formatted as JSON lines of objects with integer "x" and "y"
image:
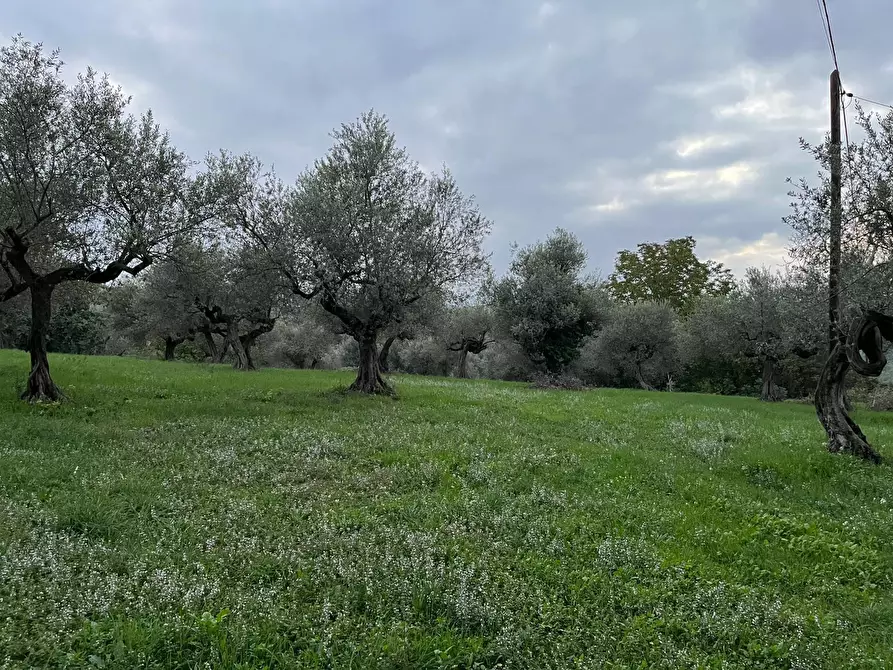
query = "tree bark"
{"x": 384, "y": 353}
{"x": 863, "y": 350}
{"x": 641, "y": 379}
{"x": 844, "y": 435}
{"x": 40, "y": 384}
{"x": 242, "y": 362}
{"x": 170, "y": 346}
{"x": 221, "y": 355}
{"x": 369, "y": 379}
{"x": 462, "y": 372}
{"x": 769, "y": 391}
{"x": 211, "y": 344}
{"x": 247, "y": 344}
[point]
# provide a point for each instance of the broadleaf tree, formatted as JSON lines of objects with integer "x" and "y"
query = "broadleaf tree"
{"x": 670, "y": 272}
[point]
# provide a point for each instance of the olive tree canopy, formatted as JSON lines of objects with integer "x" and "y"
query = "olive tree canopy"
{"x": 87, "y": 191}
{"x": 367, "y": 233}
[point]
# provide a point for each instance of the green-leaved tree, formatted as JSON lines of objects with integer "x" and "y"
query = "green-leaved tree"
{"x": 669, "y": 273}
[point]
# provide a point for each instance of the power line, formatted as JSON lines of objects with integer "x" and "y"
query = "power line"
{"x": 818, "y": 4}
{"x": 846, "y": 131}
{"x": 830, "y": 35}
{"x": 869, "y": 101}
{"x": 825, "y": 29}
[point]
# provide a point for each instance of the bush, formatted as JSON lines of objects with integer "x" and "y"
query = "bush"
{"x": 505, "y": 360}
{"x": 424, "y": 356}
{"x": 297, "y": 344}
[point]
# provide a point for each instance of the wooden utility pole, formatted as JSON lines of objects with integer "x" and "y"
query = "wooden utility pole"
{"x": 834, "y": 331}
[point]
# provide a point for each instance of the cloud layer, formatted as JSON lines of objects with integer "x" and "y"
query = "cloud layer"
{"x": 623, "y": 122}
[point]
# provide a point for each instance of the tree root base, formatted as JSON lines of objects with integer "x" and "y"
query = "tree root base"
{"x": 370, "y": 389}
{"x": 44, "y": 397}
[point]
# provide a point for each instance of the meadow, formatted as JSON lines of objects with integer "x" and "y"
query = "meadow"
{"x": 190, "y": 516}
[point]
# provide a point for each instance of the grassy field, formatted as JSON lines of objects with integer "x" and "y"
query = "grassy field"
{"x": 177, "y": 516}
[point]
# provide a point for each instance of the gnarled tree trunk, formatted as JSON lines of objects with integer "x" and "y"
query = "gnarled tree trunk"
{"x": 212, "y": 345}
{"x": 247, "y": 344}
{"x": 462, "y": 370}
{"x": 170, "y": 346}
{"x": 242, "y": 361}
{"x": 40, "y": 384}
{"x": 384, "y": 353}
{"x": 769, "y": 391}
{"x": 224, "y": 350}
{"x": 641, "y": 379}
{"x": 863, "y": 351}
{"x": 369, "y": 379}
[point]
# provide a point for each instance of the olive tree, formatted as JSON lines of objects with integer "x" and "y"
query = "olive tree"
{"x": 366, "y": 233}
{"x": 769, "y": 319}
{"x": 637, "y": 344}
{"x": 236, "y": 295}
{"x": 158, "y": 308}
{"x": 867, "y": 233}
{"x": 544, "y": 303}
{"x": 421, "y": 318}
{"x": 87, "y": 192}
{"x": 469, "y": 331}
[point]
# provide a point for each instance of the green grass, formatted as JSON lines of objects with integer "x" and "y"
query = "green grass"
{"x": 177, "y": 516}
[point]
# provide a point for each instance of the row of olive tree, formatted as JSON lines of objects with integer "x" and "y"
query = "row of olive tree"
{"x": 665, "y": 319}
{"x": 90, "y": 193}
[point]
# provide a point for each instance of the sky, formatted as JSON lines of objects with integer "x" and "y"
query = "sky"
{"x": 623, "y": 122}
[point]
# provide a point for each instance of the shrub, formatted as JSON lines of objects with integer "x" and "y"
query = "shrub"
{"x": 505, "y": 360}
{"x": 424, "y": 356}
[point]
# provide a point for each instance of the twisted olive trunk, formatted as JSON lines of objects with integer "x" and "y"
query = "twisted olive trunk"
{"x": 40, "y": 384}
{"x": 212, "y": 345}
{"x": 769, "y": 391}
{"x": 863, "y": 351}
{"x": 247, "y": 344}
{"x": 462, "y": 372}
{"x": 221, "y": 355}
{"x": 369, "y": 379}
{"x": 640, "y": 377}
{"x": 170, "y": 346}
{"x": 384, "y": 354}
{"x": 844, "y": 434}
{"x": 242, "y": 361}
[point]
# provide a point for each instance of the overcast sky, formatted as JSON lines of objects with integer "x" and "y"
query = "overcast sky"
{"x": 623, "y": 122}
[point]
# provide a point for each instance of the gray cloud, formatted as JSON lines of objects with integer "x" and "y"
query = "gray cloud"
{"x": 623, "y": 122}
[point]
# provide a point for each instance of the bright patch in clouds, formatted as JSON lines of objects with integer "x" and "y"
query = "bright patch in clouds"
{"x": 692, "y": 146}
{"x": 546, "y": 11}
{"x": 737, "y": 255}
{"x": 701, "y": 184}
{"x": 769, "y": 106}
{"x": 615, "y": 205}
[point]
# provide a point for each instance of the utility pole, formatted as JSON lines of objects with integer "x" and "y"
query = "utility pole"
{"x": 834, "y": 331}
